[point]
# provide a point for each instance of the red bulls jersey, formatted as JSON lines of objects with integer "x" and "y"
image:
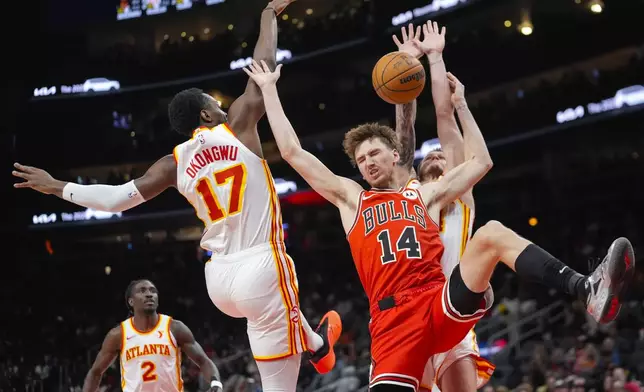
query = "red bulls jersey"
{"x": 395, "y": 244}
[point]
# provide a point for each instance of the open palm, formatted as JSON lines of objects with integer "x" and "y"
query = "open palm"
{"x": 262, "y": 74}
{"x": 433, "y": 38}
{"x": 410, "y": 41}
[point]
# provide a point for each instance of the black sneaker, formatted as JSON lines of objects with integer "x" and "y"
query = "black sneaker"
{"x": 608, "y": 284}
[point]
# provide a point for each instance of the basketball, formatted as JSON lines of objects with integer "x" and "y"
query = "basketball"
{"x": 398, "y": 78}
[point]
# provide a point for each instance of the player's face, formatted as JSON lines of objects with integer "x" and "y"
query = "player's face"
{"x": 376, "y": 162}
{"x": 432, "y": 166}
{"x": 145, "y": 297}
{"x": 215, "y": 111}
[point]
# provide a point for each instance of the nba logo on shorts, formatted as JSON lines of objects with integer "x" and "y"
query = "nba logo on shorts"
{"x": 201, "y": 139}
{"x": 409, "y": 194}
{"x": 295, "y": 314}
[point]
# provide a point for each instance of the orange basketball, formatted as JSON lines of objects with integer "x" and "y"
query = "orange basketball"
{"x": 398, "y": 78}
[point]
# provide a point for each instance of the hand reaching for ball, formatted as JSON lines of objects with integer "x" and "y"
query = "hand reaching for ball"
{"x": 262, "y": 74}
{"x": 279, "y": 5}
{"x": 410, "y": 41}
{"x": 433, "y": 38}
{"x": 458, "y": 91}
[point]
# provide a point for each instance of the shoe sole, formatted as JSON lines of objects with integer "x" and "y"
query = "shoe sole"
{"x": 621, "y": 263}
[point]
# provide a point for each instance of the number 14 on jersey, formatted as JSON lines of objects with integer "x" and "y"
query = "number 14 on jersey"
{"x": 407, "y": 241}
{"x": 236, "y": 176}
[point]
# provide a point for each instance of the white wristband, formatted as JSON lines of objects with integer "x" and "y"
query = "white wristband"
{"x": 216, "y": 384}
{"x": 104, "y": 197}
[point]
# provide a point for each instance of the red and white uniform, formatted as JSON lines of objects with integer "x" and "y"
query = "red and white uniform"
{"x": 397, "y": 250}
{"x": 150, "y": 361}
{"x": 456, "y": 224}
{"x": 249, "y": 275}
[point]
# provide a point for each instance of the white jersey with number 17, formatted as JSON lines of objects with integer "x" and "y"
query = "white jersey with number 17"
{"x": 231, "y": 189}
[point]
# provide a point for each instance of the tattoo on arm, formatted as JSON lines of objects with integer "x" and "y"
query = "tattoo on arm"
{"x": 405, "y": 119}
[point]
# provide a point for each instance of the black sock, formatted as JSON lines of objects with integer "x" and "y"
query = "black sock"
{"x": 538, "y": 265}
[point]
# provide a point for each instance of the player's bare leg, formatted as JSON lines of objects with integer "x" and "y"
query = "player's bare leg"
{"x": 602, "y": 289}
{"x": 459, "y": 377}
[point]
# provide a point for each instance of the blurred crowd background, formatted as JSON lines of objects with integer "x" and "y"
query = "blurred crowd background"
{"x": 557, "y": 87}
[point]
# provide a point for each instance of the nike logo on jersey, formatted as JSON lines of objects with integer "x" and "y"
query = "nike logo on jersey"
{"x": 160, "y": 334}
{"x": 130, "y": 337}
{"x": 365, "y": 197}
{"x": 562, "y": 270}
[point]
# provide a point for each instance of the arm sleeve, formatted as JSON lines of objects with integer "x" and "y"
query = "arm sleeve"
{"x": 107, "y": 198}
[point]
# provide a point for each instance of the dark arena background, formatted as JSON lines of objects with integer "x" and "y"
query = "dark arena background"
{"x": 557, "y": 87}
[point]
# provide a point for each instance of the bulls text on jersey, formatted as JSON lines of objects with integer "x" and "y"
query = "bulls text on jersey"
{"x": 391, "y": 211}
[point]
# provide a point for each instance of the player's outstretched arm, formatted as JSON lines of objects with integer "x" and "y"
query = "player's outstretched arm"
{"x": 336, "y": 189}
{"x": 406, "y": 113}
{"x": 478, "y": 161}
{"x": 248, "y": 109}
{"x": 111, "y": 198}
{"x": 187, "y": 343}
{"x": 450, "y": 137}
{"x": 108, "y": 353}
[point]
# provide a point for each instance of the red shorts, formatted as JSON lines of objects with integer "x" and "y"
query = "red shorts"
{"x": 420, "y": 324}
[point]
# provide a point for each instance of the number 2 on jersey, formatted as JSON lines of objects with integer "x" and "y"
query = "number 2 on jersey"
{"x": 235, "y": 174}
{"x": 407, "y": 242}
{"x": 149, "y": 373}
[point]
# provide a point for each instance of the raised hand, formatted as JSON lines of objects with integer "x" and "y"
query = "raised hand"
{"x": 279, "y": 5}
{"x": 36, "y": 179}
{"x": 410, "y": 41}
{"x": 458, "y": 91}
{"x": 433, "y": 38}
{"x": 262, "y": 74}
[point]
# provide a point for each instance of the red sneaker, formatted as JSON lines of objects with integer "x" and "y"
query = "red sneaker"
{"x": 330, "y": 329}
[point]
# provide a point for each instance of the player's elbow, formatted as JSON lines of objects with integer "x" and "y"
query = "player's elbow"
{"x": 268, "y": 57}
{"x": 290, "y": 151}
{"x": 113, "y": 208}
{"x": 94, "y": 373}
{"x": 486, "y": 164}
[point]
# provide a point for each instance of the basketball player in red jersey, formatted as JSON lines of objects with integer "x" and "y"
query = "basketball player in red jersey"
{"x": 461, "y": 369}
{"x": 396, "y": 247}
{"x": 149, "y": 347}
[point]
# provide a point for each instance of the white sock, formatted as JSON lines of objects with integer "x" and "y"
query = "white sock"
{"x": 313, "y": 340}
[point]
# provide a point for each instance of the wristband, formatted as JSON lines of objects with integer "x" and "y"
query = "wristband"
{"x": 216, "y": 383}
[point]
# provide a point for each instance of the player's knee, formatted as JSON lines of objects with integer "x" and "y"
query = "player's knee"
{"x": 490, "y": 233}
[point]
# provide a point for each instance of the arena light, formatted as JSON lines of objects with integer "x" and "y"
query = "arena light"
{"x": 78, "y": 216}
{"x": 596, "y": 6}
{"x": 427, "y": 147}
{"x": 526, "y": 27}
{"x": 428, "y": 9}
{"x": 507, "y": 23}
{"x": 244, "y": 62}
{"x": 627, "y": 96}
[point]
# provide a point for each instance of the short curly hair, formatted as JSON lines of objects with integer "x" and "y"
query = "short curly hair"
{"x": 361, "y": 133}
{"x": 184, "y": 110}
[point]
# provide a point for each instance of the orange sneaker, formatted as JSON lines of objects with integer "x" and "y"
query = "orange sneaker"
{"x": 330, "y": 328}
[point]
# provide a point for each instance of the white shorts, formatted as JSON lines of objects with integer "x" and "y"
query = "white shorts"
{"x": 437, "y": 364}
{"x": 260, "y": 284}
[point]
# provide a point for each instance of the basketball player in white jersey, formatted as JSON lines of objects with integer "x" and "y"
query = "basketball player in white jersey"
{"x": 149, "y": 347}
{"x": 461, "y": 369}
{"x": 220, "y": 170}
